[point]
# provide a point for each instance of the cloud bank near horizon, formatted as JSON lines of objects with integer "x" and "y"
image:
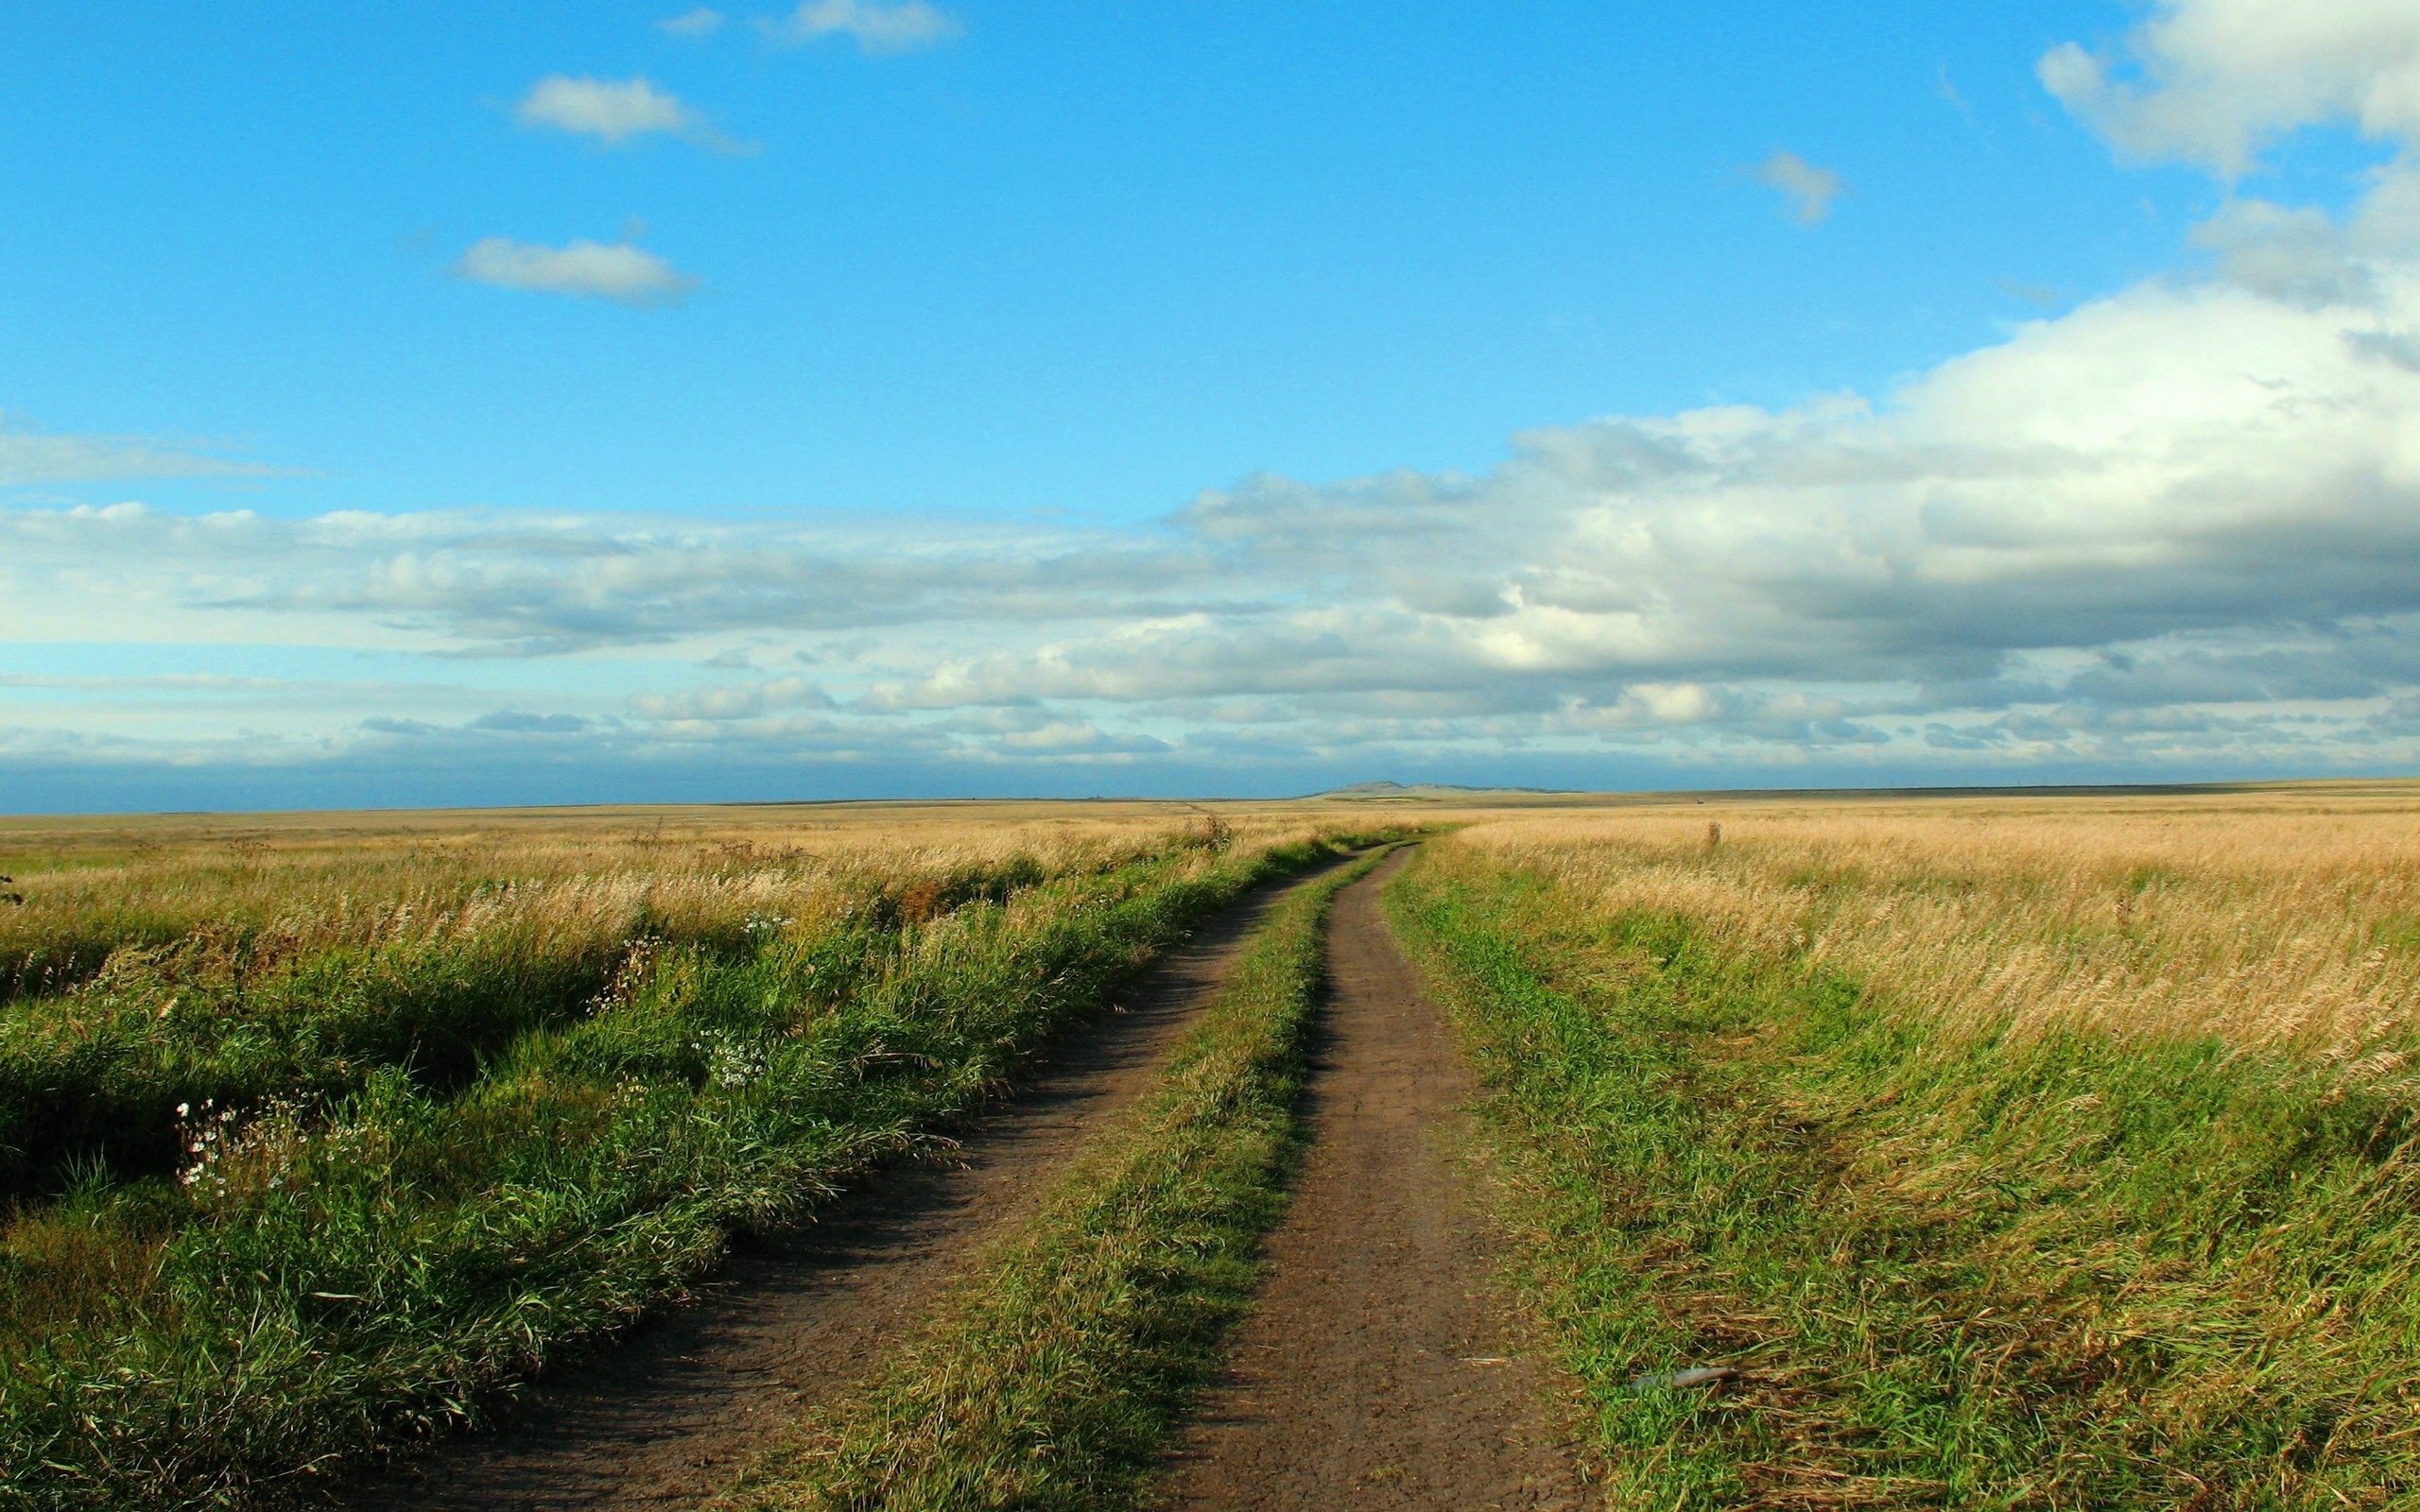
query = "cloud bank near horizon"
{"x": 2173, "y": 531}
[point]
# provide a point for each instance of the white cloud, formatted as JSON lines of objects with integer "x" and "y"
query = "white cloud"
{"x": 2218, "y": 80}
{"x": 1810, "y": 190}
{"x": 2179, "y": 524}
{"x": 2172, "y": 529}
{"x": 614, "y": 110}
{"x": 703, "y": 21}
{"x": 906, "y": 26}
{"x": 1947, "y": 89}
{"x": 621, "y": 272}
{"x": 730, "y": 700}
{"x": 32, "y": 457}
{"x": 2291, "y": 254}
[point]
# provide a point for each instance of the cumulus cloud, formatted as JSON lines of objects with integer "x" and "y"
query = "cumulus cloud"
{"x": 615, "y": 111}
{"x": 2179, "y": 521}
{"x": 2172, "y": 528}
{"x": 622, "y": 272}
{"x": 2214, "y": 81}
{"x": 1809, "y": 189}
{"x": 703, "y": 21}
{"x": 907, "y": 26}
{"x": 2293, "y": 254}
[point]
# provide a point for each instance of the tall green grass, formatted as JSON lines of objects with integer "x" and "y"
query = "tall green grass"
{"x": 235, "y": 1018}
{"x": 2050, "y": 1270}
{"x": 330, "y": 1278}
{"x": 1054, "y": 1381}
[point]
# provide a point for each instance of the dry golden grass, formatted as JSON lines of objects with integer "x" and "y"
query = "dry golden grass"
{"x": 2277, "y": 916}
{"x": 2285, "y": 914}
{"x": 294, "y": 883}
{"x": 2046, "y": 1150}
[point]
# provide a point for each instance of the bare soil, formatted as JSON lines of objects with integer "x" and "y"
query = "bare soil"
{"x": 1382, "y": 1366}
{"x": 670, "y": 1415}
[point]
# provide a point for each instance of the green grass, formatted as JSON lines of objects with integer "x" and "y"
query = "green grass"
{"x": 343, "y": 1275}
{"x": 2058, "y": 1272}
{"x": 1056, "y": 1379}
{"x": 236, "y": 1018}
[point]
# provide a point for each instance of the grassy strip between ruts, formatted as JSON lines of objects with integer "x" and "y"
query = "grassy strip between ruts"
{"x": 1055, "y": 1378}
{"x": 2055, "y": 1270}
{"x": 374, "y": 1273}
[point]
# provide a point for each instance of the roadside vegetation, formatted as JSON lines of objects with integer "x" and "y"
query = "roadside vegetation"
{"x": 294, "y": 978}
{"x": 315, "y": 1142}
{"x": 1984, "y": 1155}
{"x": 1054, "y": 1379}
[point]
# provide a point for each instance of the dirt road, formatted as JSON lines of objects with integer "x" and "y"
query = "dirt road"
{"x": 671, "y": 1414}
{"x": 1379, "y": 1369}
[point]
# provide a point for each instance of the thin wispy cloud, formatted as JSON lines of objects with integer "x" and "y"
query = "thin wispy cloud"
{"x": 617, "y": 111}
{"x": 1947, "y": 89}
{"x": 1808, "y": 190}
{"x": 911, "y": 25}
{"x": 2042, "y": 294}
{"x": 30, "y": 457}
{"x": 703, "y": 21}
{"x": 621, "y": 271}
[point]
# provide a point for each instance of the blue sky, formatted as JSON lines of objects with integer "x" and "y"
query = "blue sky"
{"x": 1081, "y": 257}
{"x": 427, "y": 404}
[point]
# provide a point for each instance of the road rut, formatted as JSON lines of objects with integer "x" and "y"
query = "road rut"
{"x": 1380, "y": 1368}
{"x": 669, "y": 1416}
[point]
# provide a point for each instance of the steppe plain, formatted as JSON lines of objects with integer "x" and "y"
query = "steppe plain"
{"x": 1406, "y": 1147}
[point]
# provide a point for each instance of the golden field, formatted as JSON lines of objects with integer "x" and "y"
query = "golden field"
{"x": 2270, "y": 914}
{"x": 2011, "y": 1150}
{"x": 2002, "y": 1139}
{"x": 331, "y": 878}
{"x": 2285, "y": 913}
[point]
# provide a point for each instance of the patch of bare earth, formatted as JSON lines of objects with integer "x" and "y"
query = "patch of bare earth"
{"x": 670, "y": 1415}
{"x": 1382, "y": 1366}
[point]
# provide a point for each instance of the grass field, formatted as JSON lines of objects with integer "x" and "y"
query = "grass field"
{"x": 2024, "y": 1154}
{"x": 316, "y": 1134}
{"x": 2039, "y": 1152}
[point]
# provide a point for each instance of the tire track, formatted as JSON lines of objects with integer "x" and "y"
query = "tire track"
{"x": 1379, "y": 1368}
{"x": 671, "y": 1414}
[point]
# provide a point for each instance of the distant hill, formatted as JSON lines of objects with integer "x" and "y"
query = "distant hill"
{"x": 1416, "y": 792}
